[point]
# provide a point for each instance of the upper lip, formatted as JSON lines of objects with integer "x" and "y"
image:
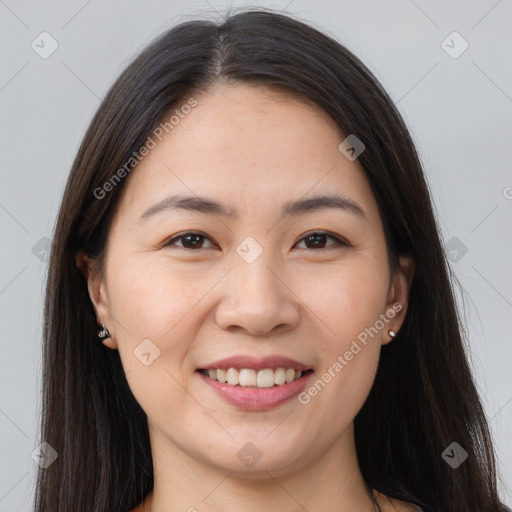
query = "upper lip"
{"x": 256, "y": 363}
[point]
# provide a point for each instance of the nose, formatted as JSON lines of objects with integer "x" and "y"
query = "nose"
{"x": 257, "y": 299}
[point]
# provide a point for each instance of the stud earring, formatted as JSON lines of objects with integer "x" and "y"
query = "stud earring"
{"x": 103, "y": 333}
{"x": 392, "y": 334}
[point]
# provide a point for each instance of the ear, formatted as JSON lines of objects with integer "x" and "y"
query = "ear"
{"x": 398, "y": 298}
{"x": 98, "y": 295}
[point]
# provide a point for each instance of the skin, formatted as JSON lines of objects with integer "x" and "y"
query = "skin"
{"x": 252, "y": 148}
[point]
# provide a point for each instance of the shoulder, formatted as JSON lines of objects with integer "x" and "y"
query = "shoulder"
{"x": 137, "y": 509}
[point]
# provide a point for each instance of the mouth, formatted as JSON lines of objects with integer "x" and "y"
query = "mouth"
{"x": 251, "y": 378}
{"x": 255, "y": 390}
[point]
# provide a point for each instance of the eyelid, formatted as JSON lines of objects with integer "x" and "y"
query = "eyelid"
{"x": 338, "y": 238}
{"x": 340, "y": 242}
{"x": 167, "y": 242}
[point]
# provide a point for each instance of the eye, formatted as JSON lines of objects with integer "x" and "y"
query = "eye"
{"x": 317, "y": 239}
{"x": 193, "y": 240}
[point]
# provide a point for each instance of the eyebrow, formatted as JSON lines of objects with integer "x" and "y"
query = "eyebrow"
{"x": 210, "y": 207}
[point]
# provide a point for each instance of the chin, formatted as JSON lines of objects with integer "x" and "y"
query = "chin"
{"x": 255, "y": 460}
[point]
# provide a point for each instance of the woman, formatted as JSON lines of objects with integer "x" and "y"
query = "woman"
{"x": 248, "y": 304}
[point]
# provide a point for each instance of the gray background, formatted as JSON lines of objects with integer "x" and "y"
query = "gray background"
{"x": 458, "y": 110}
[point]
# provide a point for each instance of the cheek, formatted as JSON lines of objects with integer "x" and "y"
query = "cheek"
{"x": 349, "y": 297}
{"x": 153, "y": 296}
{"x": 151, "y": 301}
{"x": 349, "y": 303}
{"x": 152, "y": 305}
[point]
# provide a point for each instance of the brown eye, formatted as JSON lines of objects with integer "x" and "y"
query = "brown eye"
{"x": 314, "y": 240}
{"x": 190, "y": 240}
{"x": 317, "y": 240}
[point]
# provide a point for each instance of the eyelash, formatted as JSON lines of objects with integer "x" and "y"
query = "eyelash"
{"x": 339, "y": 241}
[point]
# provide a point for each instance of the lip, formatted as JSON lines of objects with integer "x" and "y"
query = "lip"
{"x": 255, "y": 363}
{"x": 257, "y": 399}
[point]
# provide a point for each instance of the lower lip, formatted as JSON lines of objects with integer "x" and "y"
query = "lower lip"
{"x": 257, "y": 399}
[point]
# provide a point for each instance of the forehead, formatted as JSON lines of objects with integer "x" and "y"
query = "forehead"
{"x": 251, "y": 147}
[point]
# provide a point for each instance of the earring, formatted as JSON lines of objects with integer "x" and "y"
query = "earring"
{"x": 392, "y": 334}
{"x": 103, "y": 333}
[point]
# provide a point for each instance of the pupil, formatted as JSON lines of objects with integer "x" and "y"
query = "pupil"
{"x": 315, "y": 236}
{"x": 194, "y": 237}
{"x": 316, "y": 239}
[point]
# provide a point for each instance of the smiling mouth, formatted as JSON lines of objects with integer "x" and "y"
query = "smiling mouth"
{"x": 250, "y": 378}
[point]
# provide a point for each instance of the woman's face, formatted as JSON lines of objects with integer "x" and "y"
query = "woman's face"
{"x": 254, "y": 284}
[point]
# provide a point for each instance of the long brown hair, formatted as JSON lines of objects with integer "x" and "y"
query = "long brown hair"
{"x": 424, "y": 396}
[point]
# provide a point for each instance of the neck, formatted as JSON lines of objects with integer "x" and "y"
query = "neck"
{"x": 331, "y": 483}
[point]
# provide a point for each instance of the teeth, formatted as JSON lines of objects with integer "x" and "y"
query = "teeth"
{"x": 247, "y": 377}
{"x": 232, "y": 376}
{"x": 266, "y": 378}
{"x": 280, "y": 376}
